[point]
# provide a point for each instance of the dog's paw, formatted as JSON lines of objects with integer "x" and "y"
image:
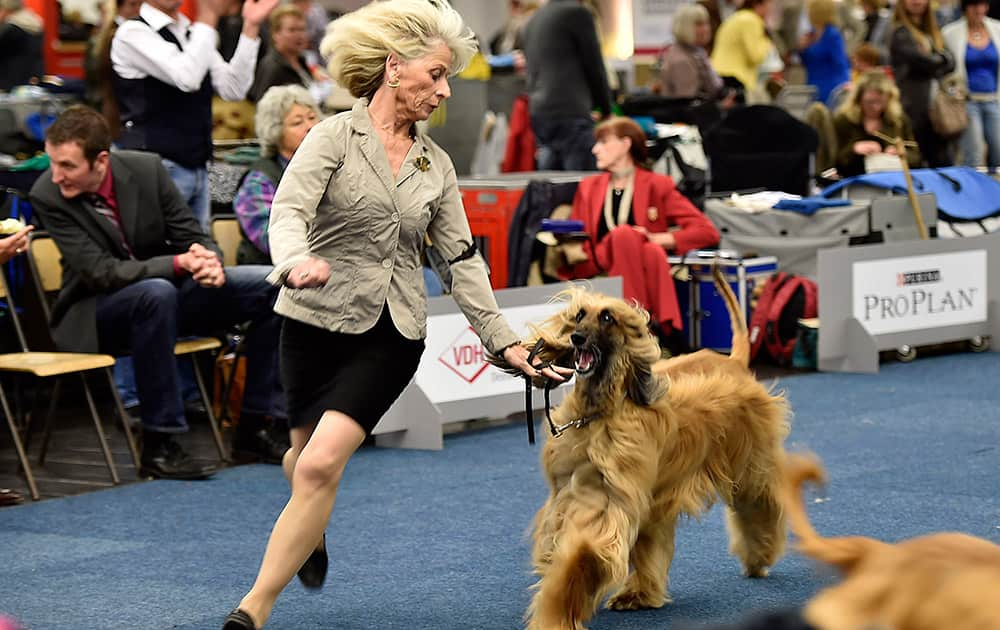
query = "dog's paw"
{"x": 756, "y": 572}
{"x": 637, "y": 600}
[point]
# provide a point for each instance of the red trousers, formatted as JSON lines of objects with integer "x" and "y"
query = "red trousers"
{"x": 644, "y": 271}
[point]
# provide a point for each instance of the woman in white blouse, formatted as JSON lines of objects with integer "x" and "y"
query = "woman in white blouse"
{"x": 974, "y": 40}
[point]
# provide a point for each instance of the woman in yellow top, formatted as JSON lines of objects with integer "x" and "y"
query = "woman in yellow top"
{"x": 742, "y": 43}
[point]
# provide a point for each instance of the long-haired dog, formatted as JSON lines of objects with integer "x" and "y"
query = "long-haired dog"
{"x": 933, "y": 582}
{"x": 644, "y": 443}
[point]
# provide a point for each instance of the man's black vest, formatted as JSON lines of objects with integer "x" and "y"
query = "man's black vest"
{"x": 161, "y": 118}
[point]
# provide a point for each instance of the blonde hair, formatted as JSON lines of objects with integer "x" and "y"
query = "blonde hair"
{"x": 877, "y": 81}
{"x": 281, "y": 13}
{"x": 822, "y": 12}
{"x": 358, "y": 43}
{"x": 926, "y": 34}
{"x": 686, "y": 18}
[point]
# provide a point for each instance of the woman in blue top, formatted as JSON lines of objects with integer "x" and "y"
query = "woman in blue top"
{"x": 822, "y": 50}
{"x": 974, "y": 40}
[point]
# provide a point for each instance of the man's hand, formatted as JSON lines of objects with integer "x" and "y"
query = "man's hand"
{"x": 16, "y": 243}
{"x": 208, "y": 12}
{"x": 517, "y": 356}
{"x": 310, "y": 274}
{"x": 254, "y": 14}
{"x": 204, "y": 266}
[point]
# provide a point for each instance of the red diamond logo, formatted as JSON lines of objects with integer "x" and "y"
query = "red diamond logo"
{"x": 465, "y": 355}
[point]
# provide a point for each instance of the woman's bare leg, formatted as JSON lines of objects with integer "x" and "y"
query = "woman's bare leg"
{"x": 300, "y": 437}
{"x": 315, "y": 475}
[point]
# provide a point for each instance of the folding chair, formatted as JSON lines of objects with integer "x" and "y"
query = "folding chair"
{"x": 226, "y": 232}
{"x": 56, "y": 364}
{"x": 795, "y": 99}
{"x": 46, "y": 269}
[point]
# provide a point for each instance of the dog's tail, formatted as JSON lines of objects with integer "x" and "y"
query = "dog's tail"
{"x": 842, "y": 552}
{"x": 741, "y": 339}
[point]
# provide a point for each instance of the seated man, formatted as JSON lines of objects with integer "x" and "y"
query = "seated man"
{"x": 139, "y": 272}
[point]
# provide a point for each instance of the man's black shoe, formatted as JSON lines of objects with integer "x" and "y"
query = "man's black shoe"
{"x": 163, "y": 458}
{"x": 258, "y": 446}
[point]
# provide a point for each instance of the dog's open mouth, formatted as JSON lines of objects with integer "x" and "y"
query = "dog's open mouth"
{"x": 585, "y": 361}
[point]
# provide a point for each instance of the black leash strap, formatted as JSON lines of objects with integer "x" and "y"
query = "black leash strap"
{"x": 529, "y": 413}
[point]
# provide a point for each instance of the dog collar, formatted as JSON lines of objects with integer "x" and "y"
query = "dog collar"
{"x": 579, "y": 423}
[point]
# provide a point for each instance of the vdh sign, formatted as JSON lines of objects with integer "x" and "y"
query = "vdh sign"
{"x": 919, "y": 292}
{"x": 465, "y": 355}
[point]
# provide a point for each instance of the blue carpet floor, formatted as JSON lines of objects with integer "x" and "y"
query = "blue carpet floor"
{"x": 436, "y": 540}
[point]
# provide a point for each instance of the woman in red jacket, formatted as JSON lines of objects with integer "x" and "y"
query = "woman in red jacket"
{"x": 633, "y": 218}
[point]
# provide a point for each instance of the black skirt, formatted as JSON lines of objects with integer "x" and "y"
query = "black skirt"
{"x": 359, "y": 375}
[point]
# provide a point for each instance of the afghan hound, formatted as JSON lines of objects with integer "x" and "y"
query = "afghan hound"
{"x": 944, "y": 580}
{"x": 642, "y": 442}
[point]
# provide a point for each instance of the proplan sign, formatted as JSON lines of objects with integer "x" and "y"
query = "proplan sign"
{"x": 919, "y": 292}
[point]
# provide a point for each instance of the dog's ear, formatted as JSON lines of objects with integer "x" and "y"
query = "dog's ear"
{"x": 642, "y": 386}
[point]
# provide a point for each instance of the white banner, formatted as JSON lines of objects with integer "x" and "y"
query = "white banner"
{"x": 453, "y": 366}
{"x": 920, "y": 292}
{"x": 653, "y": 22}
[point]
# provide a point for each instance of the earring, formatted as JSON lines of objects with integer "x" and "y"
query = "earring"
{"x": 393, "y": 82}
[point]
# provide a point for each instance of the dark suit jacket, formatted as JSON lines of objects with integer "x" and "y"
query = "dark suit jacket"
{"x": 158, "y": 225}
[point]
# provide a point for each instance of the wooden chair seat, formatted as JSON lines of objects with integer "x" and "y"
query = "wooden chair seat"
{"x": 198, "y": 344}
{"x": 44, "y": 364}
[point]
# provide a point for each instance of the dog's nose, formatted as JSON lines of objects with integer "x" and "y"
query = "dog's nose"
{"x": 577, "y": 339}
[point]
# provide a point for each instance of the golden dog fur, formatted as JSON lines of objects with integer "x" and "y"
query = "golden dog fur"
{"x": 935, "y": 582}
{"x": 658, "y": 439}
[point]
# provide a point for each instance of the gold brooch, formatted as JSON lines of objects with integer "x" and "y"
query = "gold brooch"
{"x": 423, "y": 163}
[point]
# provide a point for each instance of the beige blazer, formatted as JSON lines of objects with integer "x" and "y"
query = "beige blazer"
{"x": 338, "y": 201}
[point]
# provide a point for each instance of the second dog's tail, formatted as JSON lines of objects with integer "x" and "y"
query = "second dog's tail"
{"x": 737, "y": 320}
{"x": 843, "y": 552}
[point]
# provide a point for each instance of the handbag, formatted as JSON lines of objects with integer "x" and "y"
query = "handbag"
{"x": 948, "y": 114}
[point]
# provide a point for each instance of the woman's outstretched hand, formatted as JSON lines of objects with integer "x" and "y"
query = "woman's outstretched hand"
{"x": 517, "y": 356}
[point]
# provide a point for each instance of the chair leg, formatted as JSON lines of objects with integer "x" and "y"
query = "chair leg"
{"x": 21, "y": 455}
{"x": 208, "y": 409}
{"x": 126, "y": 424}
{"x": 227, "y": 387}
{"x": 47, "y": 429}
{"x": 29, "y": 418}
{"x": 100, "y": 431}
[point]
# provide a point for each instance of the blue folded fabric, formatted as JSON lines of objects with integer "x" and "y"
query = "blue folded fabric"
{"x": 962, "y": 193}
{"x": 809, "y": 205}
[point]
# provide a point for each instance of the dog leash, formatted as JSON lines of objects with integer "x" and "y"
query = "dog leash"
{"x": 529, "y": 413}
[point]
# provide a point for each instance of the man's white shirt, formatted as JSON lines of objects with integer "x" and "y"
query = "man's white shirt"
{"x": 138, "y": 51}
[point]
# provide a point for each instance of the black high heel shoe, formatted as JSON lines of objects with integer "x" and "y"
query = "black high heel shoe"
{"x": 238, "y": 620}
{"x": 313, "y": 572}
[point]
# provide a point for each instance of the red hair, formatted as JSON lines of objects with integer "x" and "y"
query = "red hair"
{"x": 625, "y": 128}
